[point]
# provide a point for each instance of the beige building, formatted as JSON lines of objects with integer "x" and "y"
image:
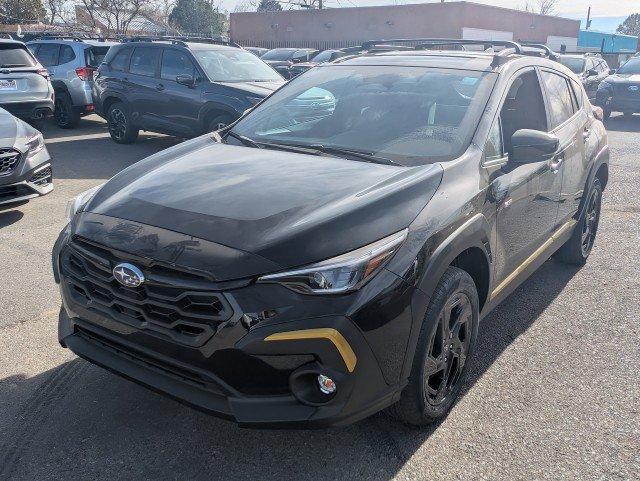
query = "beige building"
{"x": 340, "y": 27}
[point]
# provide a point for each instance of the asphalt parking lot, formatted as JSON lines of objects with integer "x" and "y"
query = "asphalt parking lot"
{"x": 554, "y": 393}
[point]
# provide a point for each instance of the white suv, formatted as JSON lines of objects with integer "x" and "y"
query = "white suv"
{"x": 25, "y": 88}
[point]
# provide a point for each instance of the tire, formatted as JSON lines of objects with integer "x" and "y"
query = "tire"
{"x": 219, "y": 122}
{"x": 441, "y": 361}
{"x": 577, "y": 249}
{"x": 606, "y": 113}
{"x": 64, "y": 115}
{"x": 120, "y": 126}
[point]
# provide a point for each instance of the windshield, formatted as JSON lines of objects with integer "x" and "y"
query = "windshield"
{"x": 279, "y": 54}
{"x": 411, "y": 115}
{"x": 632, "y": 67}
{"x": 575, "y": 64}
{"x": 15, "y": 56}
{"x": 234, "y": 66}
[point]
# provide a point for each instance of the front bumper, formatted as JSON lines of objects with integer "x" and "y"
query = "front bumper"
{"x": 257, "y": 368}
{"x": 34, "y": 183}
{"x": 617, "y": 103}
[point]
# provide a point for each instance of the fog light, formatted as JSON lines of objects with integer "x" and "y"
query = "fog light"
{"x": 326, "y": 384}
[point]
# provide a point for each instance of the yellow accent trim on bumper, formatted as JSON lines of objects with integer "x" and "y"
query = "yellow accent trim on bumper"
{"x": 338, "y": 340}
{"x": 529, "y": 260}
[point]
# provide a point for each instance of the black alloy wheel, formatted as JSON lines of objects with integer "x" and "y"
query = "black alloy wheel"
{"x": 445, "y": 346}
{"x": 119, "y": 124}
{"x": 65, "y": 116}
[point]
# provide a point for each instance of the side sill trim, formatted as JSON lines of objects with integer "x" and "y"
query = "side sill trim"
{"x": 529, "y": 260}
{"x": 338, "y": 340}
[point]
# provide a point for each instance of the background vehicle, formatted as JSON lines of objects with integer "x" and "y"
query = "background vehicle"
{"x": 25, "y": 165}
{"x": 71, "y": 63}
{"x": 591, "y": 70}
{"x": 178, "y": 88}
{"x": 257, "y": 51}
{"x": 620, "y": 92}
{"x": 322, "y": 57}
{"x": 316, "y": 270}
{"x": 25, "y": 89}
{"x": 282, "y": 59}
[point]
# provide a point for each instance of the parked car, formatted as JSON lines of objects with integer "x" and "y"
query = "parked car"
{"x": 71, "y": 63}
{"x": 257, "y": 51}
{"x": 25, "y": 165}
{"x": 296, "y": 271}
{"x": 620, "y": 92}
{"x": 322, "y": 57}
{"x": 178, "y": 88}
{"x": 590, "y": 70}
{"x": 25, "y": 89}
{"x": 282, "y": 59}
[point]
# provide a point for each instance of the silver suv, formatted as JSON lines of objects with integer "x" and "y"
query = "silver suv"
{"x": 25, "y": 89}
{"x": 71, "y": 63}
{"x": 25, "y": 165}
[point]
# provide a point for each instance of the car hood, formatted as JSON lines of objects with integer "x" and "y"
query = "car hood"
{"x": 258, "y": 88}
{"x": 13, "y": 131}
{"x": 622, "y": 78}
{"x": 291, "y": 209}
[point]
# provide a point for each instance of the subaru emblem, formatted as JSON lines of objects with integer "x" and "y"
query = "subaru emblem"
{"x": 128, "y": 275}
{"x": 633, "y": 88}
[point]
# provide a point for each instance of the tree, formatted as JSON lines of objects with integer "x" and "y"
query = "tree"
{"x": 542, "y": 7}
{"x": 21, "y": 11}
{"x": 269, "y": 6}
{"x": 114, "y": 15}
{"x": 631, "y": 25}
{"x": 197, "y": 16}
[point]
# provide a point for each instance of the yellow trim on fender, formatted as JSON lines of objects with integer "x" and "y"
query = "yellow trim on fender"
{"x": 529, "y": 260}
{"x": 338, "y": 340}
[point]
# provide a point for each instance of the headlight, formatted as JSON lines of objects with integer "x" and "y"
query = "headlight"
{"x": 35, "y": 144}
{"x": 340, "y": 274}
{"x": 79, "y": 201}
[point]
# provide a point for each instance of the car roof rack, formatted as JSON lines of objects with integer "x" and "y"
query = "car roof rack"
{"x": 542, "y": 50}
{"x": 180, "y": 40}
{"x": 74, "y": 37}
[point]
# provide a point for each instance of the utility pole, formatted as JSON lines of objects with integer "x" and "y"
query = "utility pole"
{"x": 319, "y": 4}
{"x": 588, "y": 18}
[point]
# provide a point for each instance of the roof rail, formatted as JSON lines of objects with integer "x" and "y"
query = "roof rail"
{"x": 546, "y": 51}
{"x": 423, "y": 43}
{"x": 180, "y": 40}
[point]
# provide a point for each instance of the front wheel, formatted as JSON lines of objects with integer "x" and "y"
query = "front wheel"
{"x": 445, "y": 345}
{"x": 219, "y": 122}
{"x": 120, "y": 126}
{"x": 577, "y": 249}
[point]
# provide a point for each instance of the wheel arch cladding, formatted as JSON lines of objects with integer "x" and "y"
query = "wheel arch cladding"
{"x": 475, "y": 263}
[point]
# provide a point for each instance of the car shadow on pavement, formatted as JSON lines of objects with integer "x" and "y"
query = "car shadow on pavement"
{"x": 78, "y": 421}
{"x": 8, "y": 217}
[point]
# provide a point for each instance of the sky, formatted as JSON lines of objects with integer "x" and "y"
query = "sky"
{"x": 608, "y": 12}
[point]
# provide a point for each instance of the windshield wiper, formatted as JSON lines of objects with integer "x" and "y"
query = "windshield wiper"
{"x": 358, "y": 154}
{"x": 13, "y": 65}
{"x": 245, "y": 140}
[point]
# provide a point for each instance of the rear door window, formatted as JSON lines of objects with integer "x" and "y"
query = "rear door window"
{"x": 66, "y": 54}
{"x": 175, "y": 63}
{"x": 15, "y": 56}
{"x": 121, "y": 60}
{"x": 144, "y": 61}
{"x": 559, "y": 95}
{"x": 48, "y": 54}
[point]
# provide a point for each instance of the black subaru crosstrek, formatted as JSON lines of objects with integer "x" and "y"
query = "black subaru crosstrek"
{"x": 312, "y": 271}
{"x": 178, "y": 88}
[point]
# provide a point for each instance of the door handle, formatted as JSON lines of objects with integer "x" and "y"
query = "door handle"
{"x": 159, "y": 87}
{"x": 556, "y": 163}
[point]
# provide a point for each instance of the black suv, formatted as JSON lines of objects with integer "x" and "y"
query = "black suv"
{"x": 313, "y": 270}
{"x": 591, "y": 70}
{"x": 620, "y": 92}
{"x": 178, "y": 88}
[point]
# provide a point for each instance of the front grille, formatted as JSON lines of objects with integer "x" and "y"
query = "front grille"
{"x": 42, "y": 177}
{"x": 171, "y": 302}
{"x": 9, "y": 159}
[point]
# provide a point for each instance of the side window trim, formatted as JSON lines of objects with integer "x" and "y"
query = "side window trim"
{"x": 503, "y": 158}
{"x": 546, "y": 100}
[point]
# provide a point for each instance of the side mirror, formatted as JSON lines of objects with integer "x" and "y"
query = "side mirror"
{"x": 592, "y": 72}
{"x": 187, "y": 80}
{"x": 531, "y": 146}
